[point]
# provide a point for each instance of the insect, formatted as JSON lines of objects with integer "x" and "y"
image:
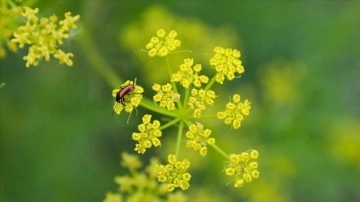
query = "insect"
{"x": 125, "y": 90}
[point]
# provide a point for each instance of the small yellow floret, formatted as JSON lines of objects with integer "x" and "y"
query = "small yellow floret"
{"x": 162, "y": 44}
{"x": 174, "y": 174}
{"x": 226, "y": 62}
{"x": 243, "y": 167}
{"x": 148, "y": 135}
{"x": 235, "y": 112}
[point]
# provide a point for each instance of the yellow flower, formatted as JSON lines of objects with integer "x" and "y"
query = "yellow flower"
{"x": 130, "y": 161}
{"x": 243, "y": 166}
{"x": 174, "y": 174}
{"x": 199, "y": 99}
{"x": 112, "y": 197}
{"x": 44, "y": 36}
{"x": 8, "y": 23}
{"x": 162, "y": 44}
{"x": 165, "y": 96}
{"x": 63, "y": 57}
{"x": 226, "y": 62}
{"x": 235, "y": 111}
{"x": 148, "y": 135}
{"x": 130, "y": 100}
{"x": 199, "y": 138}
{"x": 188, "y": 74}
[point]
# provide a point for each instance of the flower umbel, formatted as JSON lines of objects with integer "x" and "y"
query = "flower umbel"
{"x": 130, "y": 100}
{"x": 148, "y": 136}
{"x": 44, "y": 36}
{"x": 186, "y": 107}
{"x": 174, "y": 174}
{"x": 235, "y": 111}
{"x": 162, "y": 44}
{"x": 141, "y": 185}
{"x": 244, "y": 167}
{"x": 199, "y": 99}
{"x": 226, "y": 62}
{"x": 188, "y": 74}
{"x": 165, "y": 96}
{"x": 199, "y": 138}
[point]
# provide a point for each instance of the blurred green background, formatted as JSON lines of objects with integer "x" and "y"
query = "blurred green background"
{"x": 60, "y": 142}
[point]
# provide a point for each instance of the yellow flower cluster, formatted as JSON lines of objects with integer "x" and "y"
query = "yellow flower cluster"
{"x": 112, "y": 197}
{"x": 174, "y": 174}
{"x": 141, "y": 185}
{"x": 235, "y": 111}
{"x": 165, "y": 96}
{"x": 44, "y": 35}
{"x": 8, "y": 24}
{"x": 162, "y": 44}
{"x": 131, "y": 100}
{"x": 148, "y": 135}
{"x": 130, "y": 161}
{"x": 226, "y": 62}
{"x": 244, "y": 167}
{"x": 188, "y": 74}
{"x": 199, "y": 138}
{"x": 199, "y": 99}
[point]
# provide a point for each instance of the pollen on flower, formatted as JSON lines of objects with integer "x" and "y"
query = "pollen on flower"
{"x": 243, "y": 167}
{"x": 199, "y": 138}
{"x": 189, "y": 74}
{"x": 165, "y": 96}
{"x": 148, "y": 135}
{"x": 162, "y": 44}
{"x": 226, "y": 62}
{"x": 130, "y": 100}
{"x": 199, "y": 99}
{"x": 44, "y": 36}
{"x": 174, "y": 174}
{"x": 235, "y": 111}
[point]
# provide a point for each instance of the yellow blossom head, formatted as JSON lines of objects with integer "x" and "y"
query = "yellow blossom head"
{"x": 130, "y": 161}
{"x": 243, "y": 167}
{"x": 199, "y": 100}
{"x": 127, "y": 100}
{"x": 148, "y": 135}
{"x": 235, "y": 111}
{"x": 189, "y": 74}
{"x": 44, "y": 36}
{"x": 174, "y": 174}
{"x": 162, "y": 44}
{"x": 227, "y": 63}
{"x": 165, "y": 96}
{"x": 199, "y": 138}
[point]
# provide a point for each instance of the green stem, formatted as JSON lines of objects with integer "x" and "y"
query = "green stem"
{"x": 211, "y": 83}
{"x": 214, "y": 146}
{"x": 173, "y": 84}
{"x": 187, "y": 95}
{"x": 169, "y": 124}
{"x": 148, "y": 104}
{"x": 96, "y": 61}
{"x": 179, "y": 137}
